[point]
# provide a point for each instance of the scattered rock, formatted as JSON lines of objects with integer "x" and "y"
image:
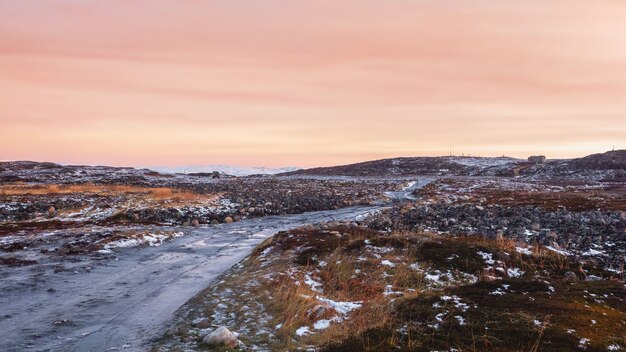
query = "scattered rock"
{"x": 228, "y": 220}
{"x": 203, "y": 324}
{"x": 180, "y": 329}
{"x": 570, "y": 276}
{"x": 222, "y": 337}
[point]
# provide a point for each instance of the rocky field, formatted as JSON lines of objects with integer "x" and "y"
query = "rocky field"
{"x": 462, "y": 264}
{"x": 52, "y": 211}
{"x": 493, "y": 254}
{"x": 584, "y": 221}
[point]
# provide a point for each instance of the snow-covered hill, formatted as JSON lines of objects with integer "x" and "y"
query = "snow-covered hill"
{"x": 225, "y": 169}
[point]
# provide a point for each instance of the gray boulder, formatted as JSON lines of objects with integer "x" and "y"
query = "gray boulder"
{"x": 222, "y": 337}
{"x": 570, "y": 276}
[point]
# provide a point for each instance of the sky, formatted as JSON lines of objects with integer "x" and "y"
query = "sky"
{"x": 308, "y": 83}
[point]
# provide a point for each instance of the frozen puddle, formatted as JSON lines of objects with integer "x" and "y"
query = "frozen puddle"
{"x": 123, "y": 304}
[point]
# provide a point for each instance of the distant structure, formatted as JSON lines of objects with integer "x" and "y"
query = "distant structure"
{"x": 537, "y": 159}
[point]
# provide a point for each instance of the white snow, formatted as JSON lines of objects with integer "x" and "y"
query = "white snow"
{"x": 523, "y": 250}
{"x": 225, "y": 169}
{"x": 342, "y": 308}
{"x": 321, "y": 324}
{"x": 314, "y": 285}
{"x": 389, "y": 291}
{"x": 460, "y": 319}
{"x": 266, "y": 251}
{"x": 582, "y": 343}
{"x": 388, "y": 263}
{"x": 515, "y": 272}
{"x": 439, "y": 317}
{"x": 433, "y": 277}
{"x": 409, "y": 185}
{"x": 487, "y": 257}
{"x": 457, "y": 302}
{"x": 559, "y": 251}
{"x": 481, "y": 161}
{"x": 301, "y": 331}
{"x": 592, "y": 252}
{"x": 149, "y": 239}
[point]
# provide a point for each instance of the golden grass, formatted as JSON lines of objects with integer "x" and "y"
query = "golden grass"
{"x": 154, "y": 193}
{"x": 163, "y": 193}
{"x": 385, "y": 322}
{"x": 22, "y": 189}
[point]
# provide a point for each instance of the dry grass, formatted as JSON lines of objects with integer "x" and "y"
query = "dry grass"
{"x": 22, "y": 189}
{"x": 347, "y": 263}
{"x": 158, "y": 193}
{"x": 510, "y": 320}
{"x": 163, "y": 193}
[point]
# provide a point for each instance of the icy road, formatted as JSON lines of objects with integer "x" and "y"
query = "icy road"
{"x": 123, "y": 304}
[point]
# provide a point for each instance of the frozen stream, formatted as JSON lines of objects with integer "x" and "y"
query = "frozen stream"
{"x": 123, "y": 304}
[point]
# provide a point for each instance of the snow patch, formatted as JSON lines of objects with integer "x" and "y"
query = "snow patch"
{"x": 342, "y": 308}
{"x": 301, "y": 331}
{"x": 487, "y": 257}
{"x": 388, "y": 263}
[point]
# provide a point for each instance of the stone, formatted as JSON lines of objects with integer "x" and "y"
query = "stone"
{"x": 51, "y": 211}
{"x": 228, "y": 220}
{"x": 593, "y": 278}
{"x": 214, "y": 222}
{"x": 195, "y": 222}
{"x": 307, "y": 227}
{"x": 179, "y": 329}
{"x": 221, "y": 337}
{"x": 570, "y": 276}
{"x": 203, "y": 324}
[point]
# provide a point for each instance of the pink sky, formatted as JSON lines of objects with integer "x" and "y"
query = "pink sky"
{"x": 308, "y": 83}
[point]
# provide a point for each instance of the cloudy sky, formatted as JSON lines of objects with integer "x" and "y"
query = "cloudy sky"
{"x": 307, "y": 83}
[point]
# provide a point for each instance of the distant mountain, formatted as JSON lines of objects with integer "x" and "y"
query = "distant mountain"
{"x": 224, "y": 169}
{"x": 604, "y": 166}
{"x": 454, "y": 165}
